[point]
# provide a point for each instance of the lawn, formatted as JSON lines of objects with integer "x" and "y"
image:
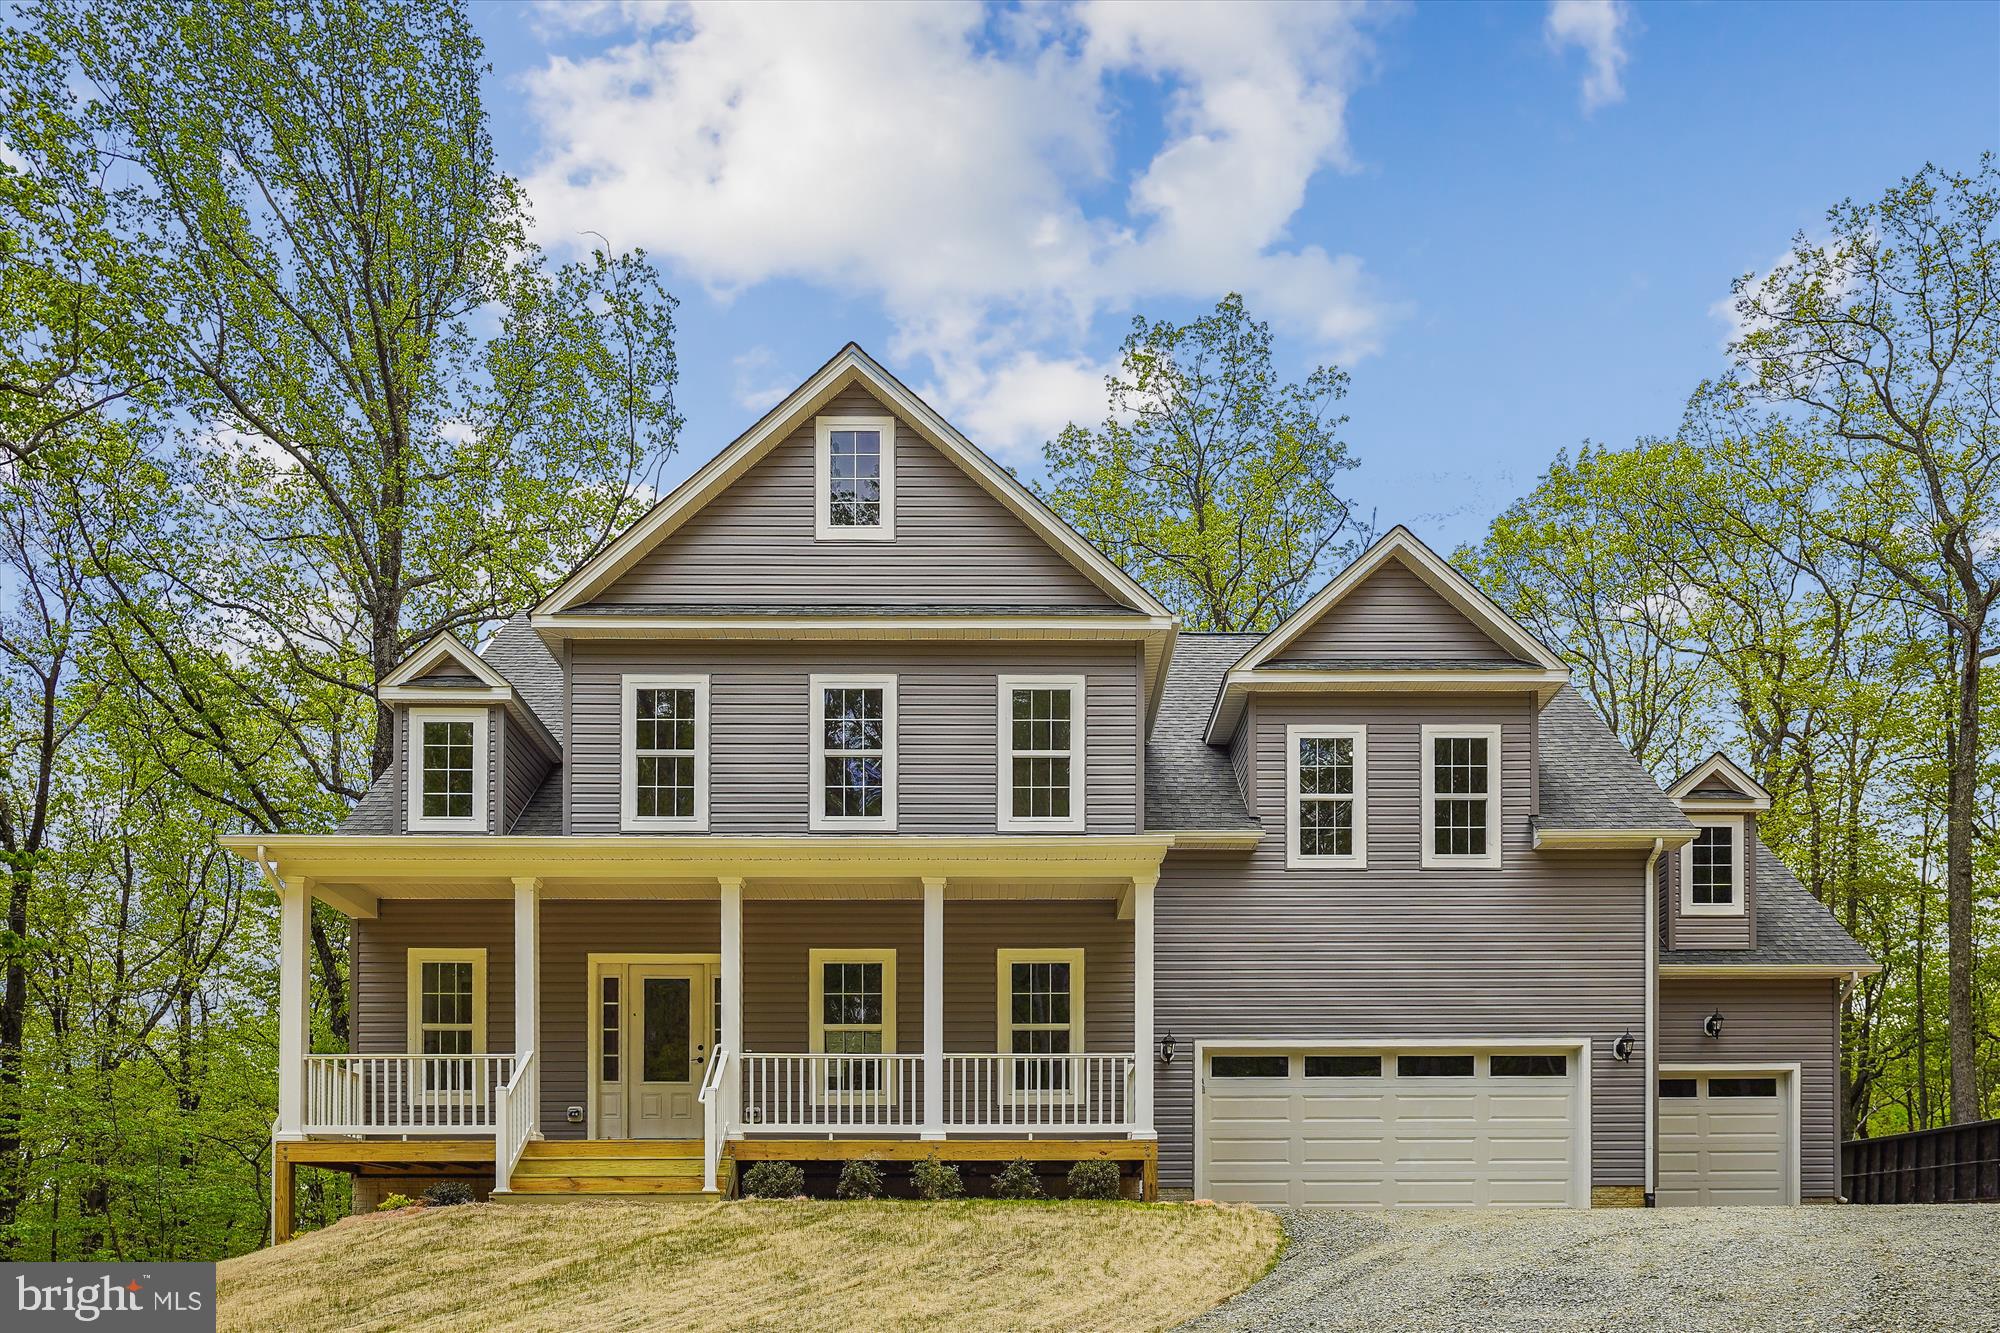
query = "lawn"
{"x": 604, "y": 1264}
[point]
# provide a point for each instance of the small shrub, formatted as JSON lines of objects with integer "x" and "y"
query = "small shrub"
{"x": 1093, "y": 1180}
{"x": 448, "y": 1192}
{"x": 774, "y": 1180}
{"x": 860, "y": 1180}
{"x": 935, "y": 1180}
{"x": 391, "y": 1202}
{"x": 1017, "y": 1180}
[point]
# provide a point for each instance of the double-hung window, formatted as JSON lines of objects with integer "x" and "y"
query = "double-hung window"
{"x": 664, "y": 778}
{"x": 853, "y": 782}
{"x": 1327, "y": 814}
{"x": 1041, "y": 1014}
{"x": 1041, "y": 753}
{"x": 447, "y": 1016}
{"x": 447, "y": 770}
{"x": 854, "y": 473}
{"x": 1712, "y": 870}
{"x": 1461, "y": 812}
{"x": 853, "y": 1018}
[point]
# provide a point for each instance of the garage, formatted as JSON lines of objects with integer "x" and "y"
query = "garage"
{"x": 1726, "y": 1137}
{"x": 1423, "y": 1127}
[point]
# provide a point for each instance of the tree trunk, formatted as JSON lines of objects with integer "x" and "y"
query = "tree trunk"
{"x": 1961, "y": 787}
{"x": 13, "y": 1025}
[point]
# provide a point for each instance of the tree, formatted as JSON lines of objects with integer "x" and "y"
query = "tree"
{"x": 1212, "y": 482}
{"x": 1884, "y": 338}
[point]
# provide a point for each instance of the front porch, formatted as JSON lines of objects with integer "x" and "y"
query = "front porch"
{"x": 682, "y": 1026}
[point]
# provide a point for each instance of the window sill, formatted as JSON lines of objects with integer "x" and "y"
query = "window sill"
{"x": 1326, "y": 863}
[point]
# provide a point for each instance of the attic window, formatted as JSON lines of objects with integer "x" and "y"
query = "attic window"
{"x": 447, "y": 780}
{"x": 1712, "y": 870}
{"x": 855, "y": 478}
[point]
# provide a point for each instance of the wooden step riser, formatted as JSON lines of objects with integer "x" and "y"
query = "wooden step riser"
{"x": 549, "y": 1150}
{"x": 607, "y": 1185}
{"x": 609, "y": 1166}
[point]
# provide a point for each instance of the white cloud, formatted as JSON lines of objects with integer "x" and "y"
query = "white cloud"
{"x": 757, "y": 383}
{"x": 1599, "y": 28}
{"x": 957, "y": 164}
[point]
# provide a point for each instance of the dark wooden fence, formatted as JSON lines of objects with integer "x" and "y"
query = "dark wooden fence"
{"x": 1957, "y": 1164}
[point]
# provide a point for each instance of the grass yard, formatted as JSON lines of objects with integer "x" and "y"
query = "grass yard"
{"x": 604, "y": 1264}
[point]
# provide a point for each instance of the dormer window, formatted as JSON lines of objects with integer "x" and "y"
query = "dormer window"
{"x": 1712, "y": 870}
{"x": 855, "y": 478}
{"x": 447, "y": 778}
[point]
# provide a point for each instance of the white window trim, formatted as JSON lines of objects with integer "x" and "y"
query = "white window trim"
{"x": 1078, "y": 693}
{"x": 413, "y": 1001}
{"x": 1738, "y": 855}
{"x": 630, "y": 820}
{"x": 817, "y": 820}
{"x": 823, "y": 525}
{"x": 1003, "y": 966}
{"x": 816, "y": 959}
{"x": 413, "y": 775}
{"x": 1495, "y": 792}
{"x": 1294, "y": 858}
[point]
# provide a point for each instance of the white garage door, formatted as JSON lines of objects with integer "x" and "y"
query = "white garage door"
{"x": 1725, "y": 1138}
{"x": 1392, "y": 1129}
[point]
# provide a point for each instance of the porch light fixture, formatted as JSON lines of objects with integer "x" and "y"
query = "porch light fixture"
{"x": 1712, "y": 1025}
{"x": 1168, "y": 1048}
{"x": 1621, "y": 1048}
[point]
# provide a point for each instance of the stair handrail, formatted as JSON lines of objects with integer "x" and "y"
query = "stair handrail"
{"x": 714, "y": 1126}
{"x": 514, "y": 1119}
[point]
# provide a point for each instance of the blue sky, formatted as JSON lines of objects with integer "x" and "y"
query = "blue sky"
{"x": 1513, "y": 224}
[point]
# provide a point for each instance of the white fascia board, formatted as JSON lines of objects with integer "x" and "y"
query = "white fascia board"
{"x": 1773, "y": 971}
{"x": 442, "y": 646}
{"x": 1556, "y": 840}
{"x": 1719, "y": 764}
{"x": 1241, "y": 682}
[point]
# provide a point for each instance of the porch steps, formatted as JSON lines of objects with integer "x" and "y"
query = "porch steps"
{"x": 588, "y": 1167}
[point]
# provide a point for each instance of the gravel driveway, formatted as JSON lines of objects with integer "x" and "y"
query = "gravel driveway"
{"x": 1682, "y": 1269}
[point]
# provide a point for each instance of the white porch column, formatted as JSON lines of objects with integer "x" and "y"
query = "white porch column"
{"x": 933, "y": 1007}
{"x": 294, "y": 1004}
{"x": 1142, "y": 1005}
{"x": 731, "y": 1036}
{"x": 528, "y": 980}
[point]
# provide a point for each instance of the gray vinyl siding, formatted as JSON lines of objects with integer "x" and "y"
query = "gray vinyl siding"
{"x": 1550, "y": 946}
{"x": 778, "y": 939}
{"x": 379, "y": 967}
{"x": 955, "y": 543}
{"x": 523, "y": 763}
{"x": 947, "y": 720}
{"x": 1393, "y": 614}
{"x": 1772, "y": 1023}
{"x": 1696, "y": 931}
{"x": 975, "y": 932}
{"x": 405, "y": 750}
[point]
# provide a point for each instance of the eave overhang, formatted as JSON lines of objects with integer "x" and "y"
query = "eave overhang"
{"x": 1240, "y": 684}
{"x": 1770, "y": 971}
{"x": 1640, "y": 839}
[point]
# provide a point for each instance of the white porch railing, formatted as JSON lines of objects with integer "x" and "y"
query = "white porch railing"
{"x": 1021, "y": 1094}
{"x": 404, "y": 1094}
{"x": 1033, "y": 1093}
{"x": 826, "y": 1094}
{"x": 514, "y": 1111}
{"x": 714, "y": 1118}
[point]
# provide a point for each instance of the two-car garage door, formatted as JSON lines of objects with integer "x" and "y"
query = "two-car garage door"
{"x": 1422, "y": 1128}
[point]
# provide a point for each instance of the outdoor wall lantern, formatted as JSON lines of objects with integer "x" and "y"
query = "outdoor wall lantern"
{"x": 1712, "y": 1025}
{"x": 1168, "y": 1048}
{"x": 1621, "y": 1049}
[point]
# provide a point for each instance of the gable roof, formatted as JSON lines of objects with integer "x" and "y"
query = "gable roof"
{"x": 1191, "y": 784}
{"x": 849, "y": 366}
{"x": 1697, "y": 788}
{"x": 445, "y": 647}
{"x": 1399, "y": 543}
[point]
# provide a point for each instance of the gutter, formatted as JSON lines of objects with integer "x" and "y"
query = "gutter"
{"x": 1652, "y": 1009}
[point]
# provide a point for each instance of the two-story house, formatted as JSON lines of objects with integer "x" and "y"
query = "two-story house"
{"x": 851, "y": 805}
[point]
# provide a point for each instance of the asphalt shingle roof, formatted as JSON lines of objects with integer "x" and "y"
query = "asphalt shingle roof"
{"x": 1191, "y": 784}
{"x": 1589, "y": 781}
{"x": 1793, "y": 927}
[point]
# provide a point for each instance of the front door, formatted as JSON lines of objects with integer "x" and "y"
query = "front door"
{"x": 655, "y": 1036}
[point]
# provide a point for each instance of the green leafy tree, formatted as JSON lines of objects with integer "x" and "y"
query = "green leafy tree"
{"x": 1884, "y": 339}
{"x": 1213, "y": 482}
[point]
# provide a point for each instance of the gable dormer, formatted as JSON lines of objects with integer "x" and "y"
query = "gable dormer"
{"x": 1399, "y": 618}
{"x": 1711, "y": 883}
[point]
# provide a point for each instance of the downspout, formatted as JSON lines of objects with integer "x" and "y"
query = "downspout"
{"x": 1652, "y": 1005}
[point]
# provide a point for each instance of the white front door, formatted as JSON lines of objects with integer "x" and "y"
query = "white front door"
{"x": 653, "y": 1042}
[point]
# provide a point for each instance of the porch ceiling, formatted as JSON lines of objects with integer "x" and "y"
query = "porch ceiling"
{"x": 639, "y": 866}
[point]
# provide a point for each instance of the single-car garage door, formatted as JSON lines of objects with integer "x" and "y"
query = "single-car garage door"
{"x": 1389, "y": 1128}
{"x": 1725, "y": 1138}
